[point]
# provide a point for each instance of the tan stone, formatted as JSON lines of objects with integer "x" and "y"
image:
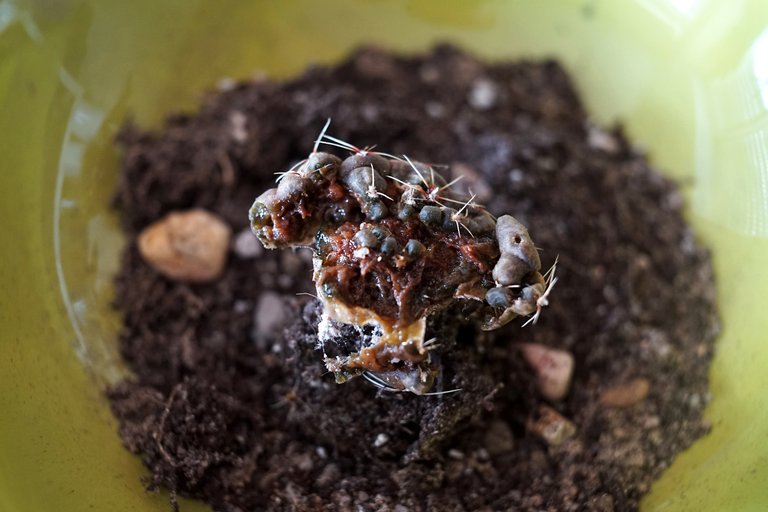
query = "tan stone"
{"x": 626, "y": 395}
{"x": 553, "y": 369}
{"x": 550, "y": 426}
{"x": 186, "y": 246}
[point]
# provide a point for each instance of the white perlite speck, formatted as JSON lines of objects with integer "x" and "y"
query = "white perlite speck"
{"x": 483, "y": 94}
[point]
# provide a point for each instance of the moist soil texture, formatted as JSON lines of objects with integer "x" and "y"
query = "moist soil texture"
{"x": 228, "y": 399}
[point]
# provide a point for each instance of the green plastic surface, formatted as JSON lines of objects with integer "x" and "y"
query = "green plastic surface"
{"x": 688, "y": 77}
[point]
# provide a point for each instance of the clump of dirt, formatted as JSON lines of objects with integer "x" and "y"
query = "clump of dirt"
{"x": 230, "y": 401}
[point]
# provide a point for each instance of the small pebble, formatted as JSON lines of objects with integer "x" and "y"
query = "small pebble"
{"x": 303, "y": 462}
{"x": 380, "y": 440}
{"x": 241, "y": 306}
{"x": 483, "y": 94}
{"x": 247, "y": 246}
{"x": 481, "y": 454}
{"x": 435, "y": 109}
{"x": 186, "y": 246}
{"x": 516, "y": 176}
{"x": 651, "y": 422}
{"x": 553, "y": 369}
{"x": 551, "y": 426}
{"x": 269, "y": 315}
{"x": 602, "y": 503}
{"x": 237, "y": 126}
{"x": 626, "y": 395}
{"x": 328, "y": 476}
{"x": 226, "y": 84}
{"x": 602, "y": 140}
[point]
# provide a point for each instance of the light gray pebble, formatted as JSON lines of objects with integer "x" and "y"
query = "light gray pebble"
{"x": 435, "y": 110}
{"x": 247, "y": 246}
{"x": 238, "y": 126}
{"x": 241, "y": 306}
{"x": 269, "y": 315}
{"x": 328, "y": 475}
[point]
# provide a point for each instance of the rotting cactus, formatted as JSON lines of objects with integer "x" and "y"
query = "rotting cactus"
{"x": 392, "y": 245}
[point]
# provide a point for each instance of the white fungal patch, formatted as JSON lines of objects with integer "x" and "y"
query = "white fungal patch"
{"x": 361, "y": 253}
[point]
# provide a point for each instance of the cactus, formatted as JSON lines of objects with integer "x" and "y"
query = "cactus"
{"x": 393, "y": 245}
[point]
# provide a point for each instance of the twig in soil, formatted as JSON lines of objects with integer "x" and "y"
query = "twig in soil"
{"x": 160, "y": 432}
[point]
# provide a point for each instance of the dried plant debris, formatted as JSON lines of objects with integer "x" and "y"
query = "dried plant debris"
{"x": 230, "y": 400}
{"x": 393, "y": 245}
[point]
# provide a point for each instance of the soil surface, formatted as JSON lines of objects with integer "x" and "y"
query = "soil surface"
{"x": 229, "y": 401}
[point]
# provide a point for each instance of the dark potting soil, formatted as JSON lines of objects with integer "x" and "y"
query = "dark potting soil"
{"x": 230, "y": 402}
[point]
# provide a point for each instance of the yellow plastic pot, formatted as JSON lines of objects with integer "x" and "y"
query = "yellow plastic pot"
{"x": 689, "y": 78}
